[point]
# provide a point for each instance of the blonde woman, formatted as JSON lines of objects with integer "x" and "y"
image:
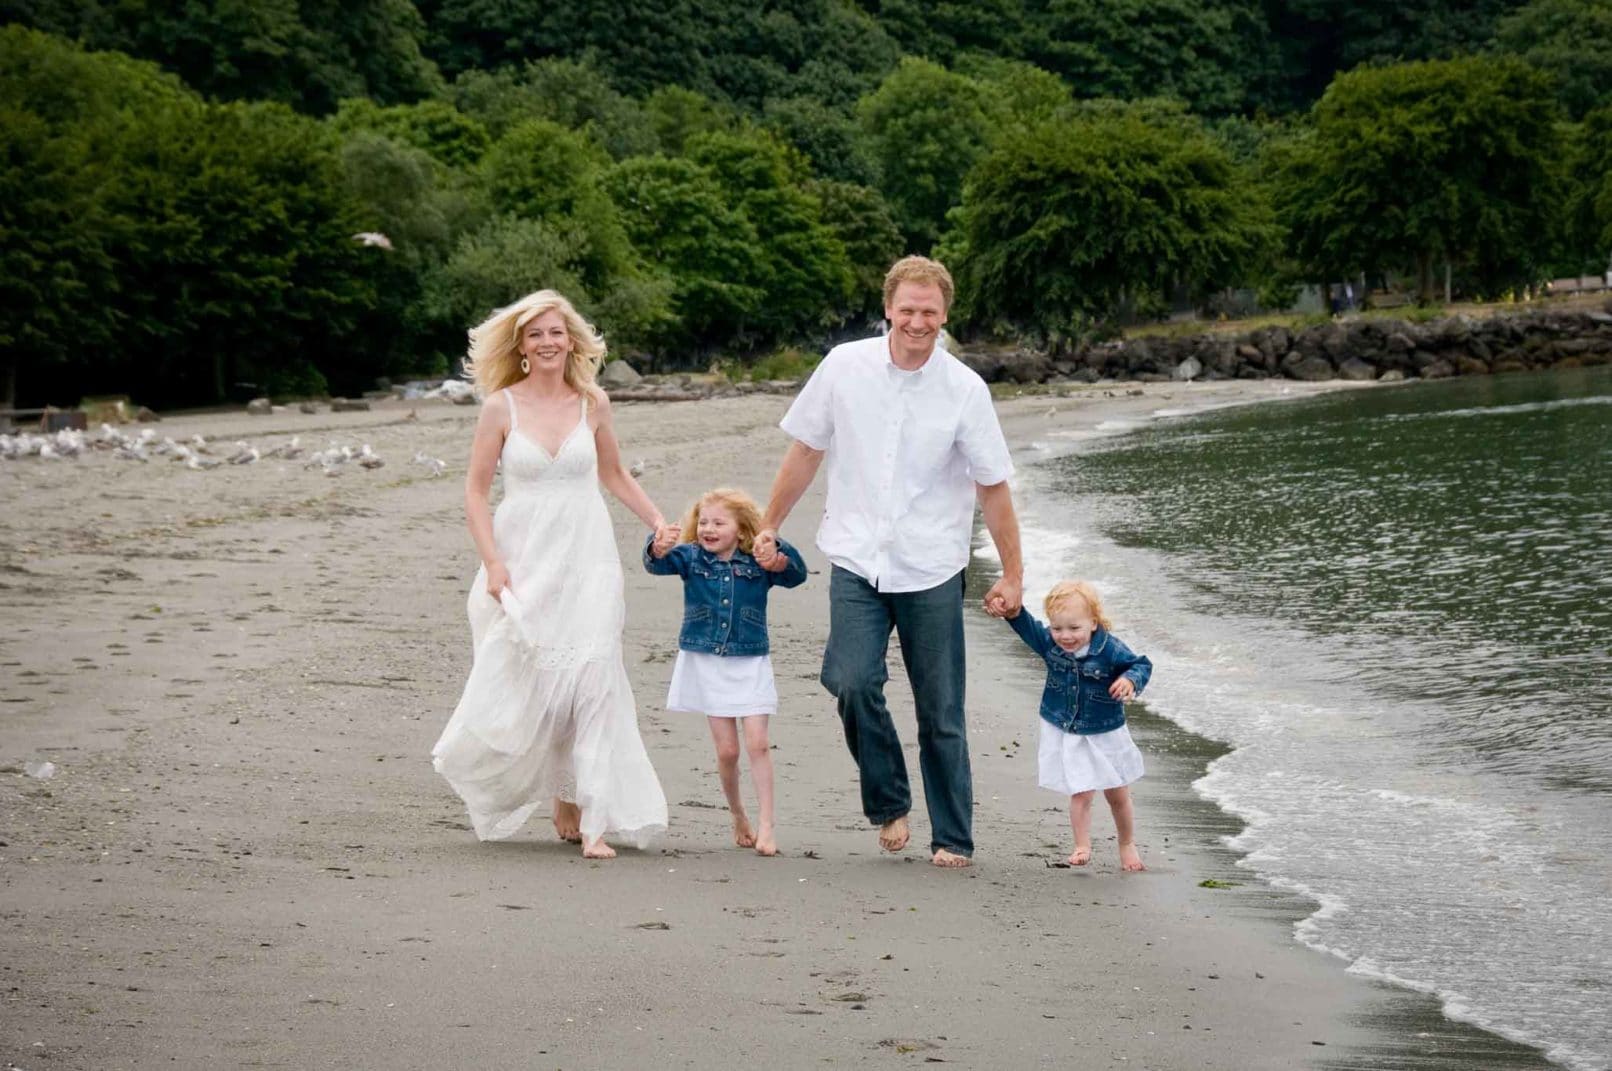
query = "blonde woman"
{"x": 548, "y": 712}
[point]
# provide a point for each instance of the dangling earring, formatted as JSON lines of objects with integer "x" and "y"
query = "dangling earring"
{"x": 526, "y": 367}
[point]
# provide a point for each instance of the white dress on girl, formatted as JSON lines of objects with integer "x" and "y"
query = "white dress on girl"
{"x": 722, "y": 686}
{"x": 548, "y": 710}
{"x": 1069, "y": 763}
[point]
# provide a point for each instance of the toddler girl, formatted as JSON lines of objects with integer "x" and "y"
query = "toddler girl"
{"x": 723, "y": 669}
{"x": 1085, "y": 746}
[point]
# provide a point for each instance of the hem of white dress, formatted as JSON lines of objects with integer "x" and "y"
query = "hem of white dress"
{"x": 747, "y": 712}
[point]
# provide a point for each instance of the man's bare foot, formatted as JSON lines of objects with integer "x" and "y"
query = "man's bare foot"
{"x": 765, "y": 842}
{"x": 597, "y": 850}
{"x": 894, "y": 834}
{"x": 743, "y": 835}
{"x": 950, "y": 860}
{"x": 1080, "y": 857}
{"x": 1130, "y": 860}
{"x": 568, "y": 821}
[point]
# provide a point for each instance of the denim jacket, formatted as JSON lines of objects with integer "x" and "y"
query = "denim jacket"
{"x": 1075, "y": 698}
{"x": 724, "y": 602}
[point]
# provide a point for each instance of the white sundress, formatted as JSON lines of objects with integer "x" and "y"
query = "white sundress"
{"x": 547, "y": 710}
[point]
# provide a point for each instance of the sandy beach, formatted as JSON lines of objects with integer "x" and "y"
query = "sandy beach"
{"x": 244, "y": 858}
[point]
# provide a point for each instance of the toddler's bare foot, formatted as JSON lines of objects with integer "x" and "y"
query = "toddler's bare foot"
{"x": 894, "y": 834}
{"x": 568, "y": 821}
{"x": 1130, "y": 860}
{"x": 743, "y": 835}
{"x": 1080, "y": 857}
{"x": 950, "y": 860}
{"x": 765, "y": 843}
{"x": 597, "y": 850}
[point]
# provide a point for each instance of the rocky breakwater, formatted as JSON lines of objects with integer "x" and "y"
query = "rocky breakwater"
{"x": 1359, "y": 349}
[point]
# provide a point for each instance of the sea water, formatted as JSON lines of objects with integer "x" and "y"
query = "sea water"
{"x": 1396, "y": 606}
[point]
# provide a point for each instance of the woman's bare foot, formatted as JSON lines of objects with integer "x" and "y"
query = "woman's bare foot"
{"x": 568, "y": 821}
{"x": 1130, "y": 860}
{"x": 894, "y": 834}
{"x": 765, "y": 843}
{"x": 597, "y": 850}
{"x": 1080, "y": 856}
{"x": 950, "y": 860}
{"x": 743, "y": 835}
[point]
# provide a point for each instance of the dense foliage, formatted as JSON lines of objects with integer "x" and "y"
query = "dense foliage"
{"x": 209, "y": 199}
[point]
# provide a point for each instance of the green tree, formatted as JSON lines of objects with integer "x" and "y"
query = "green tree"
{"x": 433, "y": 126}
{"x": 540, "y": 170}
{"x": 678, "y": 216}
{"x": 801, "y": 266}
{"x": 925, "y": 127}
{"x": 1320, "y": 38}
{"x": 578, "y": 96}
{"x": 859, "y": 218}
{"x": 827, "y": 136}
{"x": 1085, "y": 219}
{"x": 676, "y": 115}
{"x": 1204, "y": 54}
{"x": 59, "y": 107}
{"x": 306, "y": 54}
{"x": 1409, "y": 165}
{"x": 1570, "y": 40}
{"x": 1589, "y": 247}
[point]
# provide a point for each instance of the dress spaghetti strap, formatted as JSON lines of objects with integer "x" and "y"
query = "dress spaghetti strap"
{"x": 514, "y": 420}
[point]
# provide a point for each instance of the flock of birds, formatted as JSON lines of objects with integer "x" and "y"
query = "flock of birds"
{"x": 196, "y": 452}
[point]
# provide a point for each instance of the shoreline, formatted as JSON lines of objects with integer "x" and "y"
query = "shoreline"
{"x": 245, "y": 857}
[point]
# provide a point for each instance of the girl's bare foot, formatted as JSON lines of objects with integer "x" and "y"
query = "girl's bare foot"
{"x": 597, "y": 850}
{"x": 765, "y": 843}
{"x": 568, "y": 821}
{"x": 894, "y": 834}
{"x": 1080, "y": 857}
{"x": 743, "y": 835}
{"x": 1130, "y": 860}
{"x": 950, "y": 860}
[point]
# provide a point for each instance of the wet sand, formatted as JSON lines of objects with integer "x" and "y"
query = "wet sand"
{"x": 244, "y": 858}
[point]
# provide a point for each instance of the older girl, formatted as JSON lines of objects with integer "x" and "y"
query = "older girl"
{"x": 548, "y": 712}
{"x": 723, "y": 668}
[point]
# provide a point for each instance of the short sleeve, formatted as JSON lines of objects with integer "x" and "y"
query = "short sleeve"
{"x": 981, "y": 439}
{"x": 811, "y": 416}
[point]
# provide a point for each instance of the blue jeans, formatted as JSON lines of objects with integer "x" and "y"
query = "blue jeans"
{"x": 930, "y": 626}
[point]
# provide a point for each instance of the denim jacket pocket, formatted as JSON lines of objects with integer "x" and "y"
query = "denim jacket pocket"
{"x": 751, "y": 615}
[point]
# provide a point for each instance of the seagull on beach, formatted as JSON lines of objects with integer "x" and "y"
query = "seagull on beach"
{"x": 435, "y": 464}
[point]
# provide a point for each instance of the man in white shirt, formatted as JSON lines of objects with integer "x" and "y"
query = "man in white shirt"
{"x": 911, "y": 440}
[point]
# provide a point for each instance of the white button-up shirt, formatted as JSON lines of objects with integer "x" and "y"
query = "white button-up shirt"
{"x": 904, "y": 453}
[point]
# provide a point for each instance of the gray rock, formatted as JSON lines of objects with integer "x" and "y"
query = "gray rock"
{"x": 618, "y": 373}
{"x": 307, "y": 407}
{"x": 1399, "y": 342}
{"x": 1356, "y": 369}
{"x": 349, "y": 405}
{"x": 145, "y": 416}
{"x": 1188, "y": 370}
{"x": 1438, "y": 369}
{"x": 466, "y": 398}
{"x": 1251, "y": 353}
{"x": 1393, "y": 375}
{"x": 260, "y": 407}
{"x": 1312, "y": 368}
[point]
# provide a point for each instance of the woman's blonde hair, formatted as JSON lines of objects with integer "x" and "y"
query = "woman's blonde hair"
{"x": 1067, "y": 591}
{"x": 494, "y": 358}
{"x": 746, "y": 514}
